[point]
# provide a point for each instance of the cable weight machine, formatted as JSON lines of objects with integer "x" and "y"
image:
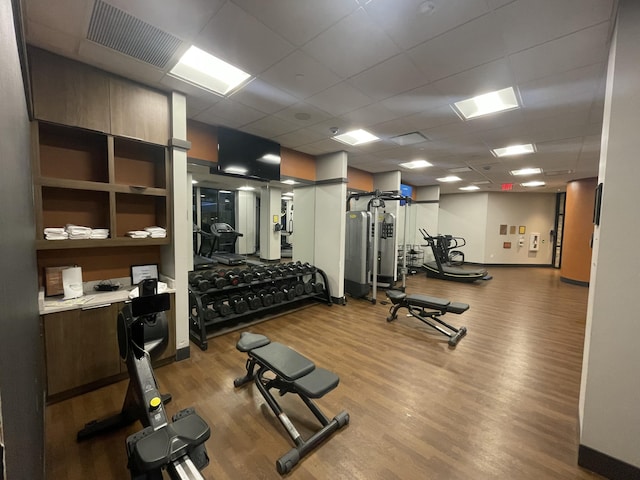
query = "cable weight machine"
{"x": 367, "y": 261}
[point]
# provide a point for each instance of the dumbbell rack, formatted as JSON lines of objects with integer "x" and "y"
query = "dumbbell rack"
{"x": 228, "y": 297}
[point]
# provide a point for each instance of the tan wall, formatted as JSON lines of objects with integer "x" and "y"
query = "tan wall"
{"x": 359, "y": 180}
{"x": 578, "y": 228}
{"x": 297, "y": 164}
{"x": 204, "y": 141}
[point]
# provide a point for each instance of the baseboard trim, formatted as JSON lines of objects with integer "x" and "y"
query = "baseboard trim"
{"x": 605, "y": 465}
{"x": 574, "y": 282}
{"x": 183, "y": 353}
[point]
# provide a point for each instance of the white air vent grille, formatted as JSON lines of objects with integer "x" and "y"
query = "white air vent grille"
{"x": 115, "y": 29}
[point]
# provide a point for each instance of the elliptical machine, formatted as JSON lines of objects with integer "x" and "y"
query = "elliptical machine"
{"x": 176, "y": 446}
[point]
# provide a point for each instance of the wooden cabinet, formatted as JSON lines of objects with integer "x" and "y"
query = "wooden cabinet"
{"x": 98, "y": 181}
{"x": 75, "y": 94}
{"x": 81, "y": 348}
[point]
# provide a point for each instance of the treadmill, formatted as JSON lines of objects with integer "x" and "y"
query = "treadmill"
{"x": 441, "y": 268}
{"x": 223, "y": 246}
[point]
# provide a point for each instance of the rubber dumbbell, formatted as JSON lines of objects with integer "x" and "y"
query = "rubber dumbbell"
{"x": 298, "y": 287}
{"x": 253, "y": 300}
{"x": 278, "y": 296}
{"x": 221, "y": 307}
{"x": 238, "y": 304}
{"x": 318, "y": 287}
{"x": 289, "y": 293}
{"x": 266, "y": 298}
{"x": 308, "y": 287}
{"x": 232, "y": 278}
{"x": 245, "y": 276}
{"x": 210, "y": 313}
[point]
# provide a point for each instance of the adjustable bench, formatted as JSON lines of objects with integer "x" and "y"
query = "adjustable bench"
{"x": 294, "y": 373}
{"x": 429, "y": 310}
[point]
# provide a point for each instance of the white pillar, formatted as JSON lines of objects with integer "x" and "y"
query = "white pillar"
{"x": 269, "y": 216}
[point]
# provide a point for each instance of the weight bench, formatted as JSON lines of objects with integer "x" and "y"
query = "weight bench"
{"x": 294, "y": 373}
{"x": 429, "y": 310}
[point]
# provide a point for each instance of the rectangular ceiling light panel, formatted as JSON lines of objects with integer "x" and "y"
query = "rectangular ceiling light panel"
{"x": 492, "y": 102}
{"x": 513, "y": 150}
{"x": 356, "y": 137}
{"x": 206, "y": 71}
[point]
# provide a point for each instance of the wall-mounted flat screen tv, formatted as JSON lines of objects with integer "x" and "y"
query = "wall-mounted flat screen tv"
{"x": 247, "y": 155}
{"x": 406, "y": 191}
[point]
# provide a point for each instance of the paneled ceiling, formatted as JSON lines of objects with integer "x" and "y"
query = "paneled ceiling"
{"x": 389, "y": 66}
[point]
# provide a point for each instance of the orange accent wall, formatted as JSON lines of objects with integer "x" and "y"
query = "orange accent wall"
{"x": 297, "y": 164}
{"x": 578, "y": 228}
{"x": 204, "y": 141}
{"x": 359, "y": 180}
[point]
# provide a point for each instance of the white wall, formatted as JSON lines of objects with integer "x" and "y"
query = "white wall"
{"x": 465, "y": 215}
{"x": 304, "y": 199}
{"x": 534, "y": 211}
{"x": 610, "y": 390}
{"x": 269, "y": 209}
{"x": 477, "y": 218}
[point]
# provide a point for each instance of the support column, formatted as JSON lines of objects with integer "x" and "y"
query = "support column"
{"x": 177, "y": 257}
{"x": 269, "y": 216}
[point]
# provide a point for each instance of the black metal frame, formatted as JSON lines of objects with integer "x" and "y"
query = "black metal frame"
{"x": 302, "y": 447}
{"x": 425, "y": 316}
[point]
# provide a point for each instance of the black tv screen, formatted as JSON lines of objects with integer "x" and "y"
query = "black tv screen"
{"x": 247, "y": 155}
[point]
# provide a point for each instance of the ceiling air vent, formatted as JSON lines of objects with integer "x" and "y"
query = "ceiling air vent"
{"x": 115, "y": 29}
{"x": 409, "y": 138}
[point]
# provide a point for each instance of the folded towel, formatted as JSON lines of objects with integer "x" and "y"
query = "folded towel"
{"x": 54, "y": 230}
{"x": 57, "y": 236}
{"x": 137, "y": 234}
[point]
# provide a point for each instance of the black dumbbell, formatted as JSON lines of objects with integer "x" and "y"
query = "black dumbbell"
{"x": 253, "y": 300}
{"x": 221, "y": 307}
{"x": 289, "y": 293}
{"x": 266, "y": 298}
{"x": 278, "y": 296}
{"x": 232, "y": 278}
{"x": 298, "y": 287}
{"x": 210, "y": 313}
{"x": 238, "y": 304}
{"x": 245, "y": 276}
{"x": 308, "y": 287}
{"x": 318, "y": 287}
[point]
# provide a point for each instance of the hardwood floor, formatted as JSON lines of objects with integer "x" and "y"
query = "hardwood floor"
{"x": 502, "y": 405}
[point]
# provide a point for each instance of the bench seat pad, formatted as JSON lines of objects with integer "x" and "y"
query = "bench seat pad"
{"x": 283, "y": 361}
{"x": 317, "y": 383}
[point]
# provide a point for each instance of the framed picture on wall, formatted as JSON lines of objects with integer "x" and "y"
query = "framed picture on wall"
{"x": 522, "y": 230}
{"x": 596, "y": 204}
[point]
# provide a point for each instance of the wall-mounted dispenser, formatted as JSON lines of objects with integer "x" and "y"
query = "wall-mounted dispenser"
{"x": 534, "y": 242}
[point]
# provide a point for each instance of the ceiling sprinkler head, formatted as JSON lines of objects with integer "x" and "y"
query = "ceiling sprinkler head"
{"x": 334, "y": 130}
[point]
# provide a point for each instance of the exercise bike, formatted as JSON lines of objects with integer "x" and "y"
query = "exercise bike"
{"x": 175, "y": 446}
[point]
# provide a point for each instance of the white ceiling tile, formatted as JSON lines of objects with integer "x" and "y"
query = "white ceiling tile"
{"x": 423, "y": 99}
{"x": 297, "y": 21}
{"x": 470, "y": 45}
{"x": 270, "y": 127}
{"x": 56, "y": 41}
{"x": 263, "y": 96}
{"x": 300, "y": 75}
{"x": 529, "y": 23}
{"x": 240, "y": 39}
{"x": 352, "y": 45}
{"x": 369, "y": 115}
{"x": 339, "y": 99}
{"x": 409, "y": 22}
{"x": 433, "y": 118}
{"x": 59, "y": 19}
{"x": 300, "y": 137}
{"x": 229, "y": 114}
{"x": 302, "y": 114}
{"x": 391, "y": 77}
{"x": 585, "y": 47}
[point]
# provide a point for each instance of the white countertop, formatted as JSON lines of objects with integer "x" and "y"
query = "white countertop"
{"x": 90, "y": 298}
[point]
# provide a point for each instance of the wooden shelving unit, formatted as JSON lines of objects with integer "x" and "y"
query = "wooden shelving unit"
{"x": 98, "y": 181}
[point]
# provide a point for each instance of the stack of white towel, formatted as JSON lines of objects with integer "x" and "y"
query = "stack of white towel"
{"x": 156, "y": 232}
{"x": 137, "y": 234}
{"x": 55, "y": 233}
{"x": 75, "y": 232}
{"x": 148, "y": 232}
{"x": 99, "y": 233}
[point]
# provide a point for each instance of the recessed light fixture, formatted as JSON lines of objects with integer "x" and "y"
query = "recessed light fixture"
{"x": 287, "y": 194}
{"x": 491, "y": 102}
{"x": 536, "y": 183}
{"x": 289, "y": 182}
{"x": 513, "y": 150}
{"x": 526, "y": 171}
{"x": 470, "y": 188}
{"x": 193, "y": 182}
{"x": 415, "y": 164}
{"x": 224, "y": 191}
{"x": 206, "y": 71}
{"x": 356, "y": 137}
{"x": 246, "y": 188}
{"x": 450, "y": 178}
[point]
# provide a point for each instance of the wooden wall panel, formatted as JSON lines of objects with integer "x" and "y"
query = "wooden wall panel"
{"x": 359, "y": 180}
{"x": 297, "y": 164}
{"x": 204, "y": 141}
{"x": 578, "y": 228}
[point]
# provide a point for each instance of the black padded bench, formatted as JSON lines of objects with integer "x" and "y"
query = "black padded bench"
{"x": 294, "y": 373}
{"x": 429, "y": 310}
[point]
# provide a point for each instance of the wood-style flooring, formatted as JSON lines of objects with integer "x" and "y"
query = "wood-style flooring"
{"x": 503, "y": 404}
